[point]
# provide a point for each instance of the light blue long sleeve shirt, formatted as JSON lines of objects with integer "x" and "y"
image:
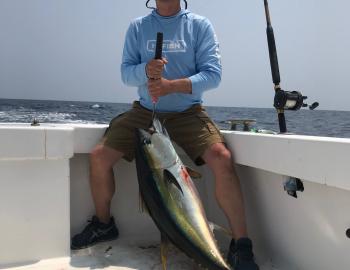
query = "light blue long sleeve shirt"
{"x": 191, "y": 48}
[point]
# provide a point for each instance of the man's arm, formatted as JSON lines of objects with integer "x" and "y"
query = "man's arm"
{"x": 133, "y": 72}
{"x": 161, "y": 87}
{"x": 208, "y": 60}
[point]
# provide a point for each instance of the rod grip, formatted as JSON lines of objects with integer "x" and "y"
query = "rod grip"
{"x": 273, "y": 55}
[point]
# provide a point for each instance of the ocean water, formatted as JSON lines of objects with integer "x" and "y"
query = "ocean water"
{"x": 303, "y": 122}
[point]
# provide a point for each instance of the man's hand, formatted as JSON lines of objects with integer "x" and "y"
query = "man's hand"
{"x": 159, "y": 87}
{"x": 154, "y": 68}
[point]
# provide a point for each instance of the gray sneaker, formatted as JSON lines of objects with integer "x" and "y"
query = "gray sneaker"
{"x": 95, "y": 232}
{"x": 240, "y": 255}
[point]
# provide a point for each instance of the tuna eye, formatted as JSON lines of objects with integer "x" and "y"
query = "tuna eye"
{"x": 147, "y": 141}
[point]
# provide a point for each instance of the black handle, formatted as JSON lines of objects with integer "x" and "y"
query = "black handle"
{"x": 273, "y": 55}
{"x": 159, "y": 46}
{"x": 282, "y": 122}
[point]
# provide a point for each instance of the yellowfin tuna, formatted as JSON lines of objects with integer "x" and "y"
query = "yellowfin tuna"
{"x": 172, "y": 198}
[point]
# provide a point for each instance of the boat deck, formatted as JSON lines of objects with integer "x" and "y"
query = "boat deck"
{"x": 117, "y": 255}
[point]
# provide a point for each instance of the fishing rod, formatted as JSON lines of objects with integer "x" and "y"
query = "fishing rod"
{"x": 157, "y": 55}
{"x": 283, "y": 100}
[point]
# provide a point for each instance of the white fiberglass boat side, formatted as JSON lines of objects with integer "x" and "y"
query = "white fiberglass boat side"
{"x": 45, "y": 199}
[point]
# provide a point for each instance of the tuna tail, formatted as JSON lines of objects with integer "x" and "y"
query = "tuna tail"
{"x": 164, "y": 248}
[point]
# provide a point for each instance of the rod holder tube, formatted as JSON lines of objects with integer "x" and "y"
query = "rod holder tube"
{"x": 282, "y": 121}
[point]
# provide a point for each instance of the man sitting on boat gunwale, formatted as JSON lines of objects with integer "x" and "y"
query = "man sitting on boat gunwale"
{"x": 191, "y": 66}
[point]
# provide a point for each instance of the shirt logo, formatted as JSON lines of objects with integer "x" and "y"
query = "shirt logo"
{"x": 168, "y": 46}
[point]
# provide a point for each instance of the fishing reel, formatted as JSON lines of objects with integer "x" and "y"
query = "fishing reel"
{"x": 291, "y": 100}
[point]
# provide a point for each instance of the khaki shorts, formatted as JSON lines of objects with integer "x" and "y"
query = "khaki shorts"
{"x": 191, "y": 129}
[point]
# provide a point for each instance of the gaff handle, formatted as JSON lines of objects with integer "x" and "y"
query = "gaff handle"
{"x": 159, "y": 46}
{"x": 158, "y": 54}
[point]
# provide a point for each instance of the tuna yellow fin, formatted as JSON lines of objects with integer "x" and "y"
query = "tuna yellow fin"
{"x": 219, "y": 228}
{"x": 194, "y": 174}
{"x": 164, "y": 247}
{"x": 142, "y": 206}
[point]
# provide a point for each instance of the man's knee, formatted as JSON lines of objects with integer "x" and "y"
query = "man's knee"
{"x": 219, "y": 159}
{"x": 104, "y": 157}
{"x": 219, "y": 152}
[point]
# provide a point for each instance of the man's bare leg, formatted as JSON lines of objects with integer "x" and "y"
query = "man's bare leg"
{"x": 227, "y": 187}
{"x": 229, "y": 196}
{"x": 101, "y": 227}
{"x": 102, "y": 160}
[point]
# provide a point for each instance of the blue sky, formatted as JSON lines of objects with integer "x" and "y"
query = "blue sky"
{"x": 71, "y": 50}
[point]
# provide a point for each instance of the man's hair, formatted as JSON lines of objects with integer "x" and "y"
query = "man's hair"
{"x": 155, "y": 8}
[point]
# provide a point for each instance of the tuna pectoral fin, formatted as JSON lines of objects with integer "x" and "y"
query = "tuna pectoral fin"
{"x": 194, "y": 174}
{"x": 218, "y": 228}
{"x": 164, "y": 247}
{"x": 171, "y": 179}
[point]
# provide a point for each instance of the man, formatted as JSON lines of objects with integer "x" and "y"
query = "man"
{"x": 191, "y": 65}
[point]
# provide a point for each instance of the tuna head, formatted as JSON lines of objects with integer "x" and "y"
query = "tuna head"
{"x": 158, "y": 148}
